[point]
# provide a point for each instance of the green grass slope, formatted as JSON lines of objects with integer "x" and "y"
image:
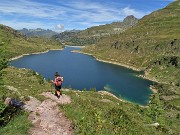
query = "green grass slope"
{"x": 13, "y": 44}
{"x": 152, "y": 45}
{"x": 90, "y": 112}
{"x": 17, "y": 44}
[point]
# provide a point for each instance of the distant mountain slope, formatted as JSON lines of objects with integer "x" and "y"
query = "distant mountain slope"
{"x": 153, "y": 44}
{"x": 38, "y": 32}
{"x": 94, "y": 34}
{"x": 109, "y": 29}
{"x": 66, "y": 36}
{"x": 16, "y": 43}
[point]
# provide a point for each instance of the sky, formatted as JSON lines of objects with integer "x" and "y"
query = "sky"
{"x": 61, "y": 15}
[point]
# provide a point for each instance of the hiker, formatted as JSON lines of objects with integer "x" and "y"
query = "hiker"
{"x": 58, "y": 83}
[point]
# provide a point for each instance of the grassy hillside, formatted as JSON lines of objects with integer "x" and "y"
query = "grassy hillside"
{"x": 12, "y": 44}
{"x": 19, "y": 84}
{"x": 90, "y": 112}
{"x": 17, "y": 44}
{"x": 152, "y": 45}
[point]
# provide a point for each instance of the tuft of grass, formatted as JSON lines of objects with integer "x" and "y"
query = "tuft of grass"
{"x": 94, "y": 113}
{"x": 24, "y": 82}
{"x": 18, "y": 126}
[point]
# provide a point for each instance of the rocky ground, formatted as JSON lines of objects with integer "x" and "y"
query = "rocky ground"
{"x": 47, "y": 118}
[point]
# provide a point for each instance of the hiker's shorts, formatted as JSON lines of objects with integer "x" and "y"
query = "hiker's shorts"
{"x": 58, "y": 88}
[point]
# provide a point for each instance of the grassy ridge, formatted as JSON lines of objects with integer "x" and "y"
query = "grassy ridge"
{"x": 13, "y": 83}
{"x": 17, "y": 44}
{"x": 13, "y": 43}
{"x": 153, "y": 45}
{"x": 153, "y": 42}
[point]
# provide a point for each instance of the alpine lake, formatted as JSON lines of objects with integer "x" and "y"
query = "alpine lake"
{"x": 82, "y": 72}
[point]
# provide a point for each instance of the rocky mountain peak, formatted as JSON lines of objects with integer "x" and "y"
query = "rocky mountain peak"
{"x": 130, "y": 20}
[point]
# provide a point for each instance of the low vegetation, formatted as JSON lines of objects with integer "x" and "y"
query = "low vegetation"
{"x": 17, "y": 44}
{"x": 91, "y": 112}
{"x": 13, "y": 83}
{"x": 153, "y": 46}
{"x": 94, "y": 113}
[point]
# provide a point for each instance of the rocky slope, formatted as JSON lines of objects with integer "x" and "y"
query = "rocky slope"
{"x": 38, "y": 32}
{"x": 66, "y": 36}
{"x": 94, "y": 34}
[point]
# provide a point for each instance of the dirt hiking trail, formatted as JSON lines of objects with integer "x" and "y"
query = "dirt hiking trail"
{"x": 46, "y": 117}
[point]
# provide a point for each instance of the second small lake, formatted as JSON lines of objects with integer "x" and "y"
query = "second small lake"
{"x": 81, "y": 71}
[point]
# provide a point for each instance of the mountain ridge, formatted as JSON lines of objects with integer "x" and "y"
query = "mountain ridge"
{"x": 94, "y": 34}
{"x": 16, "y": 43}
{"x": 39, "y": 32}
{"x": 155, "y": 39}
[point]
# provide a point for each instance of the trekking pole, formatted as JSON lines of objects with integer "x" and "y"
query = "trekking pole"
{"x": 51, "y": 87}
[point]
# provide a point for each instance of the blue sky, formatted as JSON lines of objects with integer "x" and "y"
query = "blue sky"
{"x": 60, "y": 15}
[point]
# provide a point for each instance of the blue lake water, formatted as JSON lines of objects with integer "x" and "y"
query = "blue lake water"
{"x": 82, "y": 71}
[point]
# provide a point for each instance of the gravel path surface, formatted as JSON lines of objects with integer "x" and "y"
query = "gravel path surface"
{"x": 46, "y": 116}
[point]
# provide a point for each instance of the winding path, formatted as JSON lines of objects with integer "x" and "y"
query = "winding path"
{"x": 46, "y": 116}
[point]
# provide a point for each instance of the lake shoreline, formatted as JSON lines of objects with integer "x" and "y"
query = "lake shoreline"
{"x": 102, "y": 92}
{"x": 123, "y": 100}
{"x": 20, "y": 56}
{"x": 124, "y": 65}
{"x": 74, "y": 46}
{"x": 107, "y": 61}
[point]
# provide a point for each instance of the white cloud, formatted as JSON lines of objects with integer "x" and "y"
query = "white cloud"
{"x": 59, "y": 27}
{"x": 129, "y": 11}
{"x": 88, "y": 11}
{"x": 33, "y": 9}
{"x": 69, "y": 12}
{"x": 96, "y": 12}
